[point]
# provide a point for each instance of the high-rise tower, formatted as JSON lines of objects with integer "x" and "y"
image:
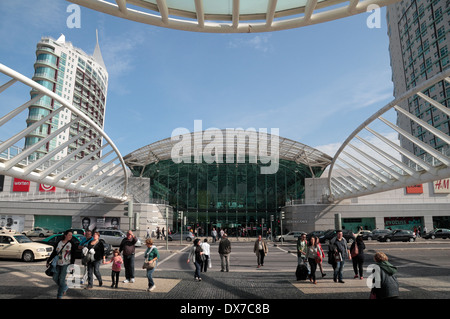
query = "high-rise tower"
{"x": 419, "y": 40}
{"x": 79, "y": 78}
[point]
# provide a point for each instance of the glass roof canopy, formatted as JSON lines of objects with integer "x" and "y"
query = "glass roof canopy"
{"x": 245, "y": 145}
{"x": 232, "y": 16}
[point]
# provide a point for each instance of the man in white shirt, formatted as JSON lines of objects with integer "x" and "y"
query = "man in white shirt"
{"x": 206, "y": 252}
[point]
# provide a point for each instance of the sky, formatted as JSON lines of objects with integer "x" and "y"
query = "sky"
{"x": 316, "y": 84}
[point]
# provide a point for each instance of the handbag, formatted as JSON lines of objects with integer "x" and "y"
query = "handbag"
{"x": 149, "y": 264}
{"x": 355, "y": 251}
{"x": 209, "y": 262}
{"x": 52, "y": 265}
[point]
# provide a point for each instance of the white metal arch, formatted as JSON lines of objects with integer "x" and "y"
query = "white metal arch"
{"x": 361, "y": 167}
{"x": 105, "y": 176}
{"x": 232, "y": 16}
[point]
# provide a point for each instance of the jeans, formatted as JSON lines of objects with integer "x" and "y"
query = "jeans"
{"x": 151, "y": 283}
{"x": 225, "y": 262}
{"x": 198, "y": 266}
{"x": 338, "y": 269}
{"x": 260, "y": 257}
{"x": 59, "y": 277}
{"x": 128, "y": 262}
{"x": 94, "y": 269}
{"x": 313, "y": 264}
{"x": 204, "y": 267}
{"x": 358, "y": 262}
{"x": 115, "y": 278}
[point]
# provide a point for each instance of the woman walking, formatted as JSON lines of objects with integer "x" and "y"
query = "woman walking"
{"x": 96, "y": 253}
{"x": 195, "y": 254}
{"x": 320, "y": 255}
{"x": 312, "y": 256}
{"x": 357, "y": 253}
{"x": 151, "y": 254}
{"x": 117, "y": 262}
{"x": 65, "y": 254}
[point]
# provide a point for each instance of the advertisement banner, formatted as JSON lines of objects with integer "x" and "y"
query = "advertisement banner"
{"x": 21, "y": 185}
{"x": 46, "y": 188}
{"x": 415, "y": 189}
{"x": 92, "y": 223}
{"x": 402, "y": 222}
{"x": 442, "y": 186}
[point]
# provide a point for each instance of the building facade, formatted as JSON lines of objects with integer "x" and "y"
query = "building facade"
{"x": 419, "y": 41}
{"x": 77, "y": 77}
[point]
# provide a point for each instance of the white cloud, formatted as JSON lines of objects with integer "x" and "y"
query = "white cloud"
{"x": 258, "y": 42}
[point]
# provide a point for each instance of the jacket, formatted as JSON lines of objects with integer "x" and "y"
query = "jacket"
{"x": 128, "y": 246}
{"x": 224, "y": 246}
{"x": 264, "y": 247}
{"x": 389, "y": 283}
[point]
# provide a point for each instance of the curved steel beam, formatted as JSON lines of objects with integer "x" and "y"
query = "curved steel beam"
{"x": 87, "y": 175}
{"x": 362, "y": 173}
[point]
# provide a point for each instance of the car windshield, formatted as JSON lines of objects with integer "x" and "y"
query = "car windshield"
{"x": 22, "y": 239}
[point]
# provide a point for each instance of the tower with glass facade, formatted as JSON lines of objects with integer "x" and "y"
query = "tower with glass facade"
{"x": 419, "y": 40}
{"x": 81, "y": 79}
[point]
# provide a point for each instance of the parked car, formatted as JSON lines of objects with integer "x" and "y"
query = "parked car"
{"x": 331, "y": 233}
{"x": 317, "y": 233}
{"x": 366, "y": 234}
{"x": 380, "y": 232}
{"x": 6, "y": 230}
{"x": 438, "y": 233}
{"x": 55, "y": 239}
{"x": 398, "y": 235}
{"x": 18, "y": 246}
{"x": 187, "y": 235}
{"x": 75, "y": 231}
{"x": 115, "y": 236}
{"x": 38, "y": 232}
{"x": 291, "y": 236}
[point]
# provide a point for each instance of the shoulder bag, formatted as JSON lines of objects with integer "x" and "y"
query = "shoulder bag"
{"x": 149, "y": 264}
{"x": 52, "y": 265}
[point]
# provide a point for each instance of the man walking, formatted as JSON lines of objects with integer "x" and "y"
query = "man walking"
{"x": 338, "y": 246}
{"x": 224, "y": 252}
{"x": 127, "y": 247}
{"x": 261, "y": 250}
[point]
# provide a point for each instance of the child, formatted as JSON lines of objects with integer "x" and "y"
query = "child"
{"x": 116, "y": 266}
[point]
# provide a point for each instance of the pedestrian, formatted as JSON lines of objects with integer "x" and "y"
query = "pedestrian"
{"x": 214, "y": 235}
{"x": 312, "y": 256}
{"x": 96, "y": 253}
{"x": 83, "y": 246}
{"x": 206, "y": 252}
{"x": 163, "y": 234}
{"x": 301, "y": 251}
{"x": 127, "y": 248}
{"x": 320, "y": 255}
{"x": 158, "y": 232}
{"x": 260, "y": 249}
{"x": 195, "y": 254}
{"x": 357, "y": 254}
{"x": 65, "y": 254}
{"x": 387, "y": 287}
{"x": 224, "y": 252}
{"x": 117, "y": 262}
{"x": 148, "y": 233}
{"x": 340, "y": 252}
{"x": 151, "y": 254}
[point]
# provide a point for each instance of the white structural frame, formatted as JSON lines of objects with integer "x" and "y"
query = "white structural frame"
{"x": 354, "y": 172}
{"x": 86, "y": 175}
{"x": 279, "y": 15}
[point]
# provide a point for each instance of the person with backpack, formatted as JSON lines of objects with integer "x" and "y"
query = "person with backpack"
{"x": 357, "y": 254}
{"x": 388, "y": 286}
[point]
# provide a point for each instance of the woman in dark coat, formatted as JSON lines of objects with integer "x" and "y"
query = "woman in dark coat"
{"x": 357, "y": 253}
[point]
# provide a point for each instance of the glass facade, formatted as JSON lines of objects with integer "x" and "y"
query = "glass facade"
{"x": 232, "y": 196}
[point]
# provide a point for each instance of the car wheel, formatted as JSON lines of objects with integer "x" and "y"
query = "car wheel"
{"x": 188, "y": 239}
{"x": 388, "y": 240}
{"x": 327, "y": 241}
{"x": 27, "y": 256}
{"x": 41, "y": 235}
{"x": 411, "y": 240}
{"x": 369, "y": 238}
{"x": 350, "y": 240}
{"x": 433, "y": 237}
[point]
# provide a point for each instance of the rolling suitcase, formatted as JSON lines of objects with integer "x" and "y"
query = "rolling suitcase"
{"x": 302, "y": 272}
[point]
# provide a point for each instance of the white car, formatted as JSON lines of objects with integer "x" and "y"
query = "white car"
{"x": 114, "y": 237}
{"x": 291, "y": 236}
{"x": 38, "y": 232}
{"x": 18, "y": 246}
{"x": 6, "y": 230}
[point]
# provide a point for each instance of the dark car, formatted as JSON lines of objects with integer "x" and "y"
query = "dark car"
{"x": 398, "y": 235}
{"x": 438, "y": 233}
{"x": 331, "y": 233}
{"x": 55, "y": 239}
{"x": 75, "y": 231}
{"x": 316, "y": 233}
{"x": 366, "y": 234}
{"x": 380, "y": 232}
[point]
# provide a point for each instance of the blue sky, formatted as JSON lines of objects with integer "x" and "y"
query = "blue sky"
{"x": 316, "y": 83}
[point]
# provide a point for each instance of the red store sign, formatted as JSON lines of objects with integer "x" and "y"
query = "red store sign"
{"x": 21, "y": 185}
